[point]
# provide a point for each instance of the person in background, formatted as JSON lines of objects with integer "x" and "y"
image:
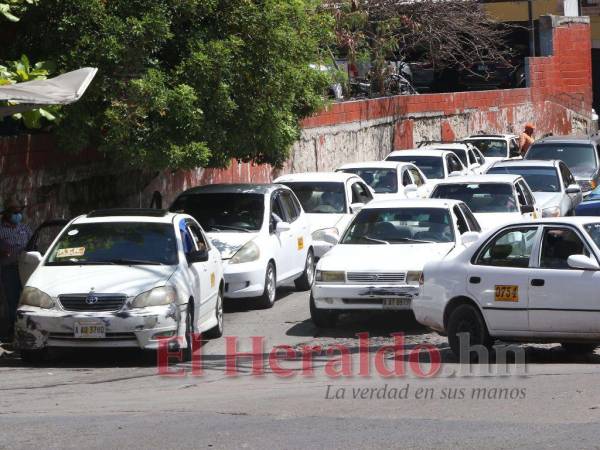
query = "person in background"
{"x": 526, "y": 138}
{"x": 14, "y": 235}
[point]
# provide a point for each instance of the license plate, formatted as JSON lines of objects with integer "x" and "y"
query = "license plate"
{"x": 507, "y": 293}
{"x": 89, "y": 330}
{"x": 396, "y": 303}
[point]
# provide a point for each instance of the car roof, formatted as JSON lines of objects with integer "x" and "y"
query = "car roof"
{"x": 566, "y": 139}
{"x": 412, "y": 203}
{"x": 128, "y": 215}
{"x": 487, "y": 178}
{"x": 447, "y": 145}
{"x": 572, "y": 220}
{"x": 423, "y": 151}
{"x": 492, "y": 136}
{"x": 375, "y": 165}
{"x": 338, "y": 177}
{"x": 527, "y": 163}
{"x": 249, "y": 188}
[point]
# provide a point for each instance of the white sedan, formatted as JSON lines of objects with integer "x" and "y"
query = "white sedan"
{"x": 525, "y": 282}
{"x": 494, "y": 199}
{"x": 378, "y": 262}
{"x": 435, "y": 164}
{"x": 262, "y": 233}
{"x": 330, "y": 199}
{"x": 122, "y": 278}
{"x": 390, "y": 180}
{"x": 468, "y": 154}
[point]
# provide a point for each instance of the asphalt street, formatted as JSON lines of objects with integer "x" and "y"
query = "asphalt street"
{"x": 116, "y": 399}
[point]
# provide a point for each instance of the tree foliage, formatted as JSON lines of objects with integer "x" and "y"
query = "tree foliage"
{"x": 184, "y": 83}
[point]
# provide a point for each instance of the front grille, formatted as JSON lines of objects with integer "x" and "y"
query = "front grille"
{"x": 362, "y": 301}
{"x": 377, "y": 277}
{"x": 100, "y": 302}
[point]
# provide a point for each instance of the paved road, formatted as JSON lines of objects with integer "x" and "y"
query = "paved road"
{"x": 115, "y": 399}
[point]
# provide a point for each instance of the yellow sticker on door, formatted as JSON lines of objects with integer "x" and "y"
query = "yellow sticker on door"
{"x": 507, "y": 293}
{"x": 213, "y": 280}
{"x": 300, "y": 243}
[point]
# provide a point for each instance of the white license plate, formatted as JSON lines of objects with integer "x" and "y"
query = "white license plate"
{"x": 396, "y": 303}
{"x": 89, "y": 330}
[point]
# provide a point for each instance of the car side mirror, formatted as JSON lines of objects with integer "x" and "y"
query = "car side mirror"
{"x": 526, "y": 209}
{"x": 282, "y": 227}
{"x": 582, "y": 262}
{"x": 573, "y": 189}
{"x": 197, "y": 256}
{"x": 356, "y": 207}
{"x": 469, "y": 237}
{"x": 410, "y": 189}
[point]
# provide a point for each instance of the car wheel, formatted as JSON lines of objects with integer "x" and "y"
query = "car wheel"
{"x": 217, "y": 330}
{"x": 578, "y": 348}
{"x": 467, "y": 319}
{"x": 33, "y": 356}
{"x": 305, "y": 282}
{"x": 267, "y": 299}
{"x": 189, "y": 329}
{"x": 322, "y": 318}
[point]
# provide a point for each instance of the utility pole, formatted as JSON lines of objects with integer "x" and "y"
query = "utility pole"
{"x": 531, "y": 28}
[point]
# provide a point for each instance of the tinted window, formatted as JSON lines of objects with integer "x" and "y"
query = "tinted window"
{"x": 461, "y": 153}
{"x": 400, "y": 226}
{"x": 454, "y": 164}
{"x": 406, "y": 180}
{"x": 567, "y": 176}
{"x": 360, "y": 193}
{"x": 277, "y": 212}
{"x": 529, "y": 199}
{"x": 460, "y": 221}
{"x": 557, "y": 245}
{"x": 492, "y": 148}
{"x": 431, "y": 166}
{"x": 116, "y": 243}
{"x": 197, "y": 237}
{"x": 320, "y": 198}
{"x": 225, "y": 211}
{"x": 579, "y": 157}
{"x": 511, "y": 248}
{"x": 471, "y": 220}
{"x": 539, "y": 179}
{"x": 383, "y": 181}
{"x": 480, "y": 197}
{"x": 288, "y": 206}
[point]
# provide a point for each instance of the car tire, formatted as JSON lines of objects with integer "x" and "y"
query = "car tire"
{"x": 322, "y": 318}
{"x": 267, "y": 299}
{"x": 305, "y": 282}
{"x": 467, "y": 319}
{"x": 578, "y": 348}
{"x": 33, "y": 356}
{"x": 217, "y": 331}
{"x": 186, "y": 354}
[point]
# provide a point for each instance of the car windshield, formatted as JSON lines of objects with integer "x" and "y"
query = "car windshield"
{"x": 400, "y": 226}
{"x": 461, "y": 153}
{"x": 431, "y": 166}
{"x": 480, "y": 197}
{"x": 115, "y": 243}
{"x": 593, "y": 230}
{"x": 539, "y": 179}
{"x": 320, "y": 197}
{"x": 224, "y": 212}
{"x": 491, "y": 148}
{"x": 579, "y": 157}
{"x": 383, "y": 181}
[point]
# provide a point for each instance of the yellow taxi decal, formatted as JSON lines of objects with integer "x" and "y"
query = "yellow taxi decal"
{"x": 212, "y": 280}
{"x": 300, "y": 243}
{"x": 507, "y": 293}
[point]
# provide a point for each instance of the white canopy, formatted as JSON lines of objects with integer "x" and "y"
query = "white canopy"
{"x": 60, "y": 90}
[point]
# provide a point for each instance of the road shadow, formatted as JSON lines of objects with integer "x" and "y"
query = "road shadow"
{"x": 236, "y": 305}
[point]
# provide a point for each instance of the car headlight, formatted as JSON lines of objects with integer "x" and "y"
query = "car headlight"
{"x": 553, "y": 211}
{"x": 587, "y": 185}
{"x": 413, "y": 276}
{"x": 249, "y": 252}
{"x": 163, "y": 295}
{"x": 34, "y": 297}
{"x": 331, "y": 235}
{"x": 330, "y": 276}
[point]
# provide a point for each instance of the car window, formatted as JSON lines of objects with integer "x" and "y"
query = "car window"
{"x": 431, "y": 166}
{"x": 471, "y": 220}
{"x": 514, "y": 148}
{"x": 383, "y": 181}
{"x": 277, "y": 213}
{"x": 480, "y": 157}
{"x": 529, "y": 199}
{"x": 287, "y": 204}
{"x": 320, "y": 197}
{"x": 416, "y": 176}
{"x": 461, "y": 153}
{"x": 521, "y": 194}
{"x": 539, "y": 179}
{"x": 579, "y": 157}
{"x": 479, "y": 197}
{"x": 492, "y": 148}
{"x": 454, "y": 164}
{"x": 360, "y": 193}
{"x": 558, "y": 243}
{"x": 509, "y": 248}
{"x": 460, "y": 221}
{"x": 472, "y": 157}
{"x": 197, "y": 237}
{"x": 567, "y": 176}
{"x": 44, "y": 236}
{"x": 406, "y": 180}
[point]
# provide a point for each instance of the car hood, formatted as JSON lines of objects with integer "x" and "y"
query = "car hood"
{"x": 547, "y": 199}
{"x": 229, "y": 243}
{"x": 112, "y": 279}
{"x": 491, "y": 220}
{"x": 383, "y": 258}
{"x": 320, "y": 221}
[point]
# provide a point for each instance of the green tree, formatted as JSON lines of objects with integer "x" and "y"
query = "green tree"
{"x": 184, "y": 83}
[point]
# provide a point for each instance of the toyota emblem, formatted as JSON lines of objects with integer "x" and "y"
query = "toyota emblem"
{"x": 91, "y": 299}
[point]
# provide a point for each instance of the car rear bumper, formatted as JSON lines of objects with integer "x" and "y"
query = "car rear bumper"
{"x": 362, "y": 297}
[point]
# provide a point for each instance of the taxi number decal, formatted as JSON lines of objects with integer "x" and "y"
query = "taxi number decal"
{"x": 70, "y": 252}
{"x": 300, "y": 243}
{"x": 507, "y": 293}
{"x": 212, "y": 280}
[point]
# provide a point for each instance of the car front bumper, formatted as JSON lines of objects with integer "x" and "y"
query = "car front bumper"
{"x": 244, "y": 280}
{"x": 362, "y": 297}
{"x": 37, "y": 328}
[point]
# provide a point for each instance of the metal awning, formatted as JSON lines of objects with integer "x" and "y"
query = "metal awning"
{"x": 60, "y": 90}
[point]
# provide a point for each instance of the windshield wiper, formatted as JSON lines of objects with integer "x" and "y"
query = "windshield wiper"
{"x": 415, "y": 240}
{"x": 229, "y": 227}
{"x": 128, "y": 261}
{"x": 379, "y": 241}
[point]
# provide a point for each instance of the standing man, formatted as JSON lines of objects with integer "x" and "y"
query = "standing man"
{"x": 526, "y": 139}
{"x": 14, "y": 235}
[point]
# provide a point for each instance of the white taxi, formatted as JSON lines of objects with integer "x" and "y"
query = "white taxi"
{"x": 493, "y": 199}
{"x": 525, "y": 282}
{"x": 390, "y": 180}
{"x": 330, "y": 199}
{"x": 378, "y": 262}
{"x": 122, "y": 278}
{"x": 262, "y": 233}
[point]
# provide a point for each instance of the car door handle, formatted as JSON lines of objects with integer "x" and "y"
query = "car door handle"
{"x": 475, "y": 280}
{"x": 537, "y": 282}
